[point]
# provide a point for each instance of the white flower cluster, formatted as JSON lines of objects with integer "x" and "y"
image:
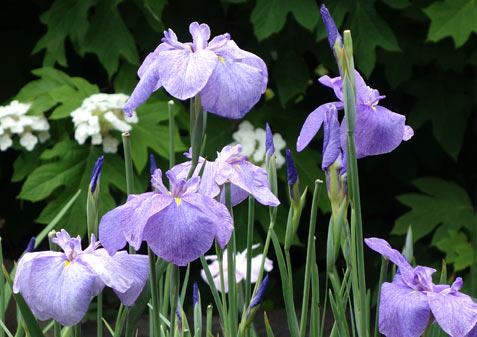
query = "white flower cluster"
{"x": 30, "y": 129}
{"x": 98, "y": 116}
{"x": 253, "y": 143}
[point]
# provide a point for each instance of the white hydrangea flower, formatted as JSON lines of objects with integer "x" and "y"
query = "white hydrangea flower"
{"x": 15, "y": 121}
{"x": 98, "y": 116}
{"x": 253, "y": 144}
{"x": 240, "y": 268}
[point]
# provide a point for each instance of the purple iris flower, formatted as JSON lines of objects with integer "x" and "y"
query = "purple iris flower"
{"x": 269, "y": 145}
{"x": 179, "y": 225}
{"x": 96, "y": 175}
{"x": 231, "y": 166}
{"x": 407, "y": 303}
{"x": 59, "y": 285}
{"x": 229, "y": 80}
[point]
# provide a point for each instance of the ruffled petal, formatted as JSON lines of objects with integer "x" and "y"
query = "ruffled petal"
{"x": 200, "y": 35}
{"x": 403, "y": 312}
{"x": 233, "y": 88}
{"x": 184, "y": 73}
{"x": 455, "y": 312}
{"x": 61, "y": 289}
{"x": 180, "y": 233}
{"x": 378, "y": 130}
{"x": 138, "y": 268}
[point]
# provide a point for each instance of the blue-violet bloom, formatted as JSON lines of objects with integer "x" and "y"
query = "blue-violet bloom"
{"x": 59, "y": 285}
{"x": 229, "y": 80}
{"x": 231, "y": 166}
{"x": 407, "y": 303}
{"x": 179, "y": 225}
{"x": 96, "y": 174}
{"x": 269, "y": 145}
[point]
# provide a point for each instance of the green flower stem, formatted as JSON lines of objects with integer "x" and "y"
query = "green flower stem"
{"x": 209, "y": 321}
{"x": 166, "y": 291}
{"x": 232, "y": 284}
{"x": 172, "y": 157}
{"x": 349, "y": 97}
{"x": 382, "y": 278}
{"x": 315, "y": 294}
{"x": 196, "y": 132}
{"x": 220, "y": 256}
{"x": 128, "y": 162}
{"x": 174, "y": 295}
{"x": 251, "y": 207}
{"x": 2, "y": 290}
{"x": 309, "y": 257}
{"x": 154, "y": 296}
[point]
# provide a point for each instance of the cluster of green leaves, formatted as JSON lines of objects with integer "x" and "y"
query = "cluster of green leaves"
{"x": 421, "y": 54}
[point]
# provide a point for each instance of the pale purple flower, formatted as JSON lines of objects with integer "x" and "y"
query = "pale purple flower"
{"x": 377, "y": 130}
{"x": 231, "y": 166}
{"x": 59, "y": 285}
{"x": 240, "y": 268}
{"x": 407, "y": 303}
{"x": 179, "y": 225}
{"x": 229, "y": 80}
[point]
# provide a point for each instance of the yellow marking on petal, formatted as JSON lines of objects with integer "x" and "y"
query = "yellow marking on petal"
{"x": 373, "y": 107}
{"x": 414, "y": 291}
{"x": 67, "y": 263}
{"x": 170, "y": 193}
{"x": 237, "y": 166}
{"x": 178, "y": 201}
{"x": 221, "y": 59}
{"x": 190, "y": 48}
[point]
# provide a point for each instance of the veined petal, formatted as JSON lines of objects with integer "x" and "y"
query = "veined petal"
{"x": 403, "y": 312}
{"x": 311, "y": 126}
{"x": 180, "y": 233}
{"x": 333, "y": 83}
{"x": 233, "y": 88}
{"x": 61, "y": 290}
{"x": 200, "y": 35}
{"x": 137, "y": 267}
{"x": 378, "y": 130}
{"x": 149, "y": 82}
{"x": 455, "y": 312}
{"x": 184, "y": 73}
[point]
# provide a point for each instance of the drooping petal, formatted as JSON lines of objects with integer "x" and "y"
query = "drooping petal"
{"x": 403, "y": 312}
{"x": 331, "y": 137}
{"x": 61, "y": 289}
{"x": 455, "y": 312}
{"x": 311, "y": 126}
{"x": 149, "y": 82}
{"x": 218, "y": 214}
{"x": 250, "y": 178}
{"x": 183, "y": 73}
{"x": 334, "y": 83}
{"x": 377, "y": 131}
{"x": 180, "y": 233}
{"x": 385, "y": 249}
{"x": 138, "y": 267}
{"x": 233, "y": 88}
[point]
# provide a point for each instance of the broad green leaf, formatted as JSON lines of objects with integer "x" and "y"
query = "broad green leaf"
{"x": 25, "y": 163}
{"x": 369, "y": 31}
{"x": 397, "y": 4}
{"x": 126, "y": 79}
{"x": 64, "y": 18}
{"x": 291, "y": 76}
{"x": 458, "y": 249}
{"x": 269, "y": 17}
{"x": 149, "y": 132}
{"x": 443, "y": 204}
{"x": 71, "y": 97}
{"x": 68, "y": 169}
{"x": 109, "y": 38}
{"x": 454, "y": 18}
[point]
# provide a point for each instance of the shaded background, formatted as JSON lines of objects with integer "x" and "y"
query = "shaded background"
{"x": 422, "y": 55}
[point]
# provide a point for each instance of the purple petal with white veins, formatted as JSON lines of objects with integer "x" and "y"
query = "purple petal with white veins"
{"x": 183, "y": 73}
{"x": 156, "y": 182}
{"x": 403, "y": 312}
{"x": 180, "y": 233}
{"x": 137, "y": 267}
{"x": 218, "y": 214}
{"x": 365, "y": 94}
{"x": 60, "y": 290}
{"x": 233, "y": 88}
{"x": 200, "y": 35}
{"x": 333, "y": 83}
{"x": 378, "y": 130}
{"x": 385, "y": 249}
{"x": 455, "y": 312}
{"x": 237, "y": 195}
{"x": 331, "y": 137}
{"x": 311, "y": 126}
{"x": 149, "y": 82}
